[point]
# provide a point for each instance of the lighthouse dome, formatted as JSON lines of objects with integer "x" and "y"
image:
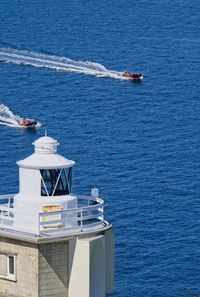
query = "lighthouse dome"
{"x": 45, "y": 145}
{"x": 45, "y": 156}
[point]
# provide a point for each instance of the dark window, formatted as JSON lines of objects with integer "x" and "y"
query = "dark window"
{"x": 11, "y": 265}
{"x": 56, "y": 181}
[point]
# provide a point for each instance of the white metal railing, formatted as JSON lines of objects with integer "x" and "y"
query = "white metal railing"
{"x": 77, "y": 219}
{"x": 8, "y": 198}
{"x": 6, "y": 210}
{"x": 88, "y": 214}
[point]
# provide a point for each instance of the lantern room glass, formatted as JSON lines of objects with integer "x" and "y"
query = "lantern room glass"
{"x": 56, "y": 182}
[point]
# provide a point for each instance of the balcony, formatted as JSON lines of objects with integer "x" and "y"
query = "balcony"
{"x": 87, "y": 216}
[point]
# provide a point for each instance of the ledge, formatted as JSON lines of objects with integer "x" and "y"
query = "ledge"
{"x": 57, "y": 236}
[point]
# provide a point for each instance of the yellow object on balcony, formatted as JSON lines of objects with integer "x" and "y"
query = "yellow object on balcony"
{"x": 53, "y": 217}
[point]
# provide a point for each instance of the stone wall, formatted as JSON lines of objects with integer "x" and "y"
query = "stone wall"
{"x": 53, "y": 269}
{"x": 41, "y": 270}
{"x": 26, "y": 284}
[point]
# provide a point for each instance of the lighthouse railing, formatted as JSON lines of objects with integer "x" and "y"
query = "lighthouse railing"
{"x": 6, "y": 210}
{"x": 88, "y": 213}
{"x": 81, "y": 218}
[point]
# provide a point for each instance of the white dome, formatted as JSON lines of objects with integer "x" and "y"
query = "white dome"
{"x": 45, "y": 156}
{"x": 45, "y": 145}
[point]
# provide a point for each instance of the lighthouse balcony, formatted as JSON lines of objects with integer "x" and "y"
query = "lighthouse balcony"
{"x": 86, "y": 215}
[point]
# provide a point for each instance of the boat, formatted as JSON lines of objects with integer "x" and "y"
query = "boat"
{"x": 133, "y": 76}
{"x": 29, "y": 123}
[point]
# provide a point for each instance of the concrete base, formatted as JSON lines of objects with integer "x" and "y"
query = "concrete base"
{"x": 91, "y": 266}
{"x": 87, "y": 267}
{"x": 67, "y": 267}
{"x": 110, "y": 261}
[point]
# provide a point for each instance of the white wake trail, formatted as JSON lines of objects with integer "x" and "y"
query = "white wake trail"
{"x": 6, "y": 116}
{"x": 23, "y": 57}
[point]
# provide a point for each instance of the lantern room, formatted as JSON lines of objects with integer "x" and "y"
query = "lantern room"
{"x": 45, "y": 183}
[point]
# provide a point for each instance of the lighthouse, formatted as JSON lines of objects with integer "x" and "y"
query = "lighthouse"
{"x": 53, "y": 242}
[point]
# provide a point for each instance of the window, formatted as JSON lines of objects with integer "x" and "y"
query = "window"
{"x": 7, "y": 266}
{"x": 11, "y": 265}
{"x": 56, "y": 182}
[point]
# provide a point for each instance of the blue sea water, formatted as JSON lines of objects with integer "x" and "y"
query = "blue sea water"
{"x": 139, "y": 143}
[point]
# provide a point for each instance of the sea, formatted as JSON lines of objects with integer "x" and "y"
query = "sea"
{"x": 139, "y": 143}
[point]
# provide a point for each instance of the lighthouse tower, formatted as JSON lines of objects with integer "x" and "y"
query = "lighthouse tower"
{"x": 53, "y": 243}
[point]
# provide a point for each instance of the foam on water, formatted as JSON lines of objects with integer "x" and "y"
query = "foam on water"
{"x": 23, "y": 57}
{"x": 7, "y": 116}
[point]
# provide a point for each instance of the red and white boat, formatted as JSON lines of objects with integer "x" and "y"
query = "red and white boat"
{"x": 133, "y": 76}
{"x": 29, "y": 123}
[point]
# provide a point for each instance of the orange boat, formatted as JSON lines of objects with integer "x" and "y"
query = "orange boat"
{"x": 134, "y": 76}
{"x": 28, "y": 123}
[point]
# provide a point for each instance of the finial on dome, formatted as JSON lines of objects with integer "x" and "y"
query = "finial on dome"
{"x": 45, "y": 133}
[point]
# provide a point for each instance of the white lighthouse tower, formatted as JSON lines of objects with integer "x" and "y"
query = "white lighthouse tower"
{"x": 54, "y": 243}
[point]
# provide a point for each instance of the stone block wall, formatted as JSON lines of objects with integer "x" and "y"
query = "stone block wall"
{"x": 53, "y": 269}
{"x": 26, "y": 284}
{"x": 41, "y": 270}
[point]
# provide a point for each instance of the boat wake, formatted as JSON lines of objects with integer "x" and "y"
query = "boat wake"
{"x": 22, "y": 57}
{"x": 9, "y": 119}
